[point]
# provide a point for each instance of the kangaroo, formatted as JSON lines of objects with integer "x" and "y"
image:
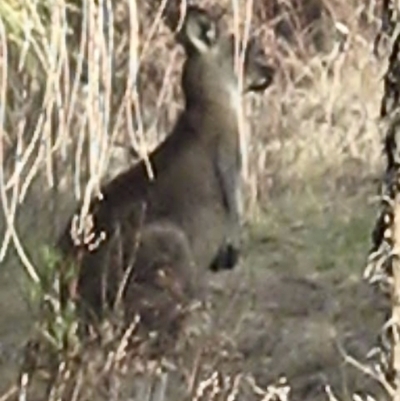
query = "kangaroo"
{"x": 193, "y": 199}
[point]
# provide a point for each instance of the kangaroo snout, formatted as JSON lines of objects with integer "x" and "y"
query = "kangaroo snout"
{"x": 259, "y": 74}
{"x": 262, "y": 79}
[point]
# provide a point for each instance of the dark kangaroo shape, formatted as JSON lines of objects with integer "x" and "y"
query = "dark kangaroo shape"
{"x": 193, "y": 199}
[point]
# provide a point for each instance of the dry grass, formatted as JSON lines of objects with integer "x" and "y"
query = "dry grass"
{"x": 315, "y": 147}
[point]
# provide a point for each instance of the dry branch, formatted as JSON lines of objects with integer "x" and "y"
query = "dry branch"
{"x": 385, "y": 254}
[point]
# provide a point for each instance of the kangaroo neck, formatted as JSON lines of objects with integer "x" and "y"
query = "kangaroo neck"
{"x": 213, "y": 112}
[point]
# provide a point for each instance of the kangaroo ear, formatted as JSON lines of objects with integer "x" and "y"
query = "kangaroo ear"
{"x": 199, "y": 31}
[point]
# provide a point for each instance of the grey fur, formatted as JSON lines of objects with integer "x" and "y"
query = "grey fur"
{"x": 193, "y": 200}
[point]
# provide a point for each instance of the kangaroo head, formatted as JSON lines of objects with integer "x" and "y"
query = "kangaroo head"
{"x": 209, "y": 74}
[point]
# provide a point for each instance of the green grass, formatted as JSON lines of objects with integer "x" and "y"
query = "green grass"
{"x": 302, "y": 232}
{"x": 310, "y": 231}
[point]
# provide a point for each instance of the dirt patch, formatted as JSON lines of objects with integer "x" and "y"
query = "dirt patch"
{"x": 296, "y": 326}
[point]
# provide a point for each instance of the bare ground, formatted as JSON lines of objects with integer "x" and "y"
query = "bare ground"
{"x": 295, "y": 303}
